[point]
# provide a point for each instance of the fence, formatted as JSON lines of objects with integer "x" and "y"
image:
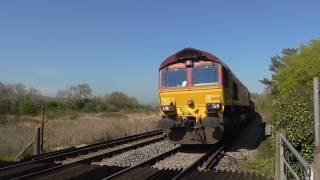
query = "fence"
{"x": 290, "y": 164}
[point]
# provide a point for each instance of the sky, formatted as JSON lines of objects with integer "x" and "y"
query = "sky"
{"x": 118, "y": 45}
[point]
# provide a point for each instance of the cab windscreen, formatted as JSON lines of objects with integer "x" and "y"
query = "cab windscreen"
{"x": 206, "y": 75}
{"x": 174, "y": 78}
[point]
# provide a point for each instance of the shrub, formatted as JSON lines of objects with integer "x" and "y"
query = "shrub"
{"x": 119, "y": 101}
{"x": 90, "y": 107}
{"x": 5, "y": 106}
{"x": 294, "y": 114}
{"x": 293, "y": 106}
{"x": 100, "y": 107}
{"x": 29, "y": 107}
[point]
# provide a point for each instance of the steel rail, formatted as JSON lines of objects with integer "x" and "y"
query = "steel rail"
{"x": 86, "y": 160}
{"x": 213, "y": 153}
{"x": 74, "y": 151}
{"x": 101, "y": 144}
{"x": 145, "y": 163}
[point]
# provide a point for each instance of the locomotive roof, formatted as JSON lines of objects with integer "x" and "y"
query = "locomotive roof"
{"x": 190, "y": 54}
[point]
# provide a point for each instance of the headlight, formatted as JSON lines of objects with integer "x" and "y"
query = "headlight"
{"x": 167, "y": 108}
{"x": 213, "y": 106}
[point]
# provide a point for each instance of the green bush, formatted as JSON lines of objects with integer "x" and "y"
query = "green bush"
{"x": 90, "y": 107}
{"x": 5, "y": 106}
{"x": 293, "y": 105}
{"x": 294, "y": 114}
{"x": 29, "y": 107}
{"x": 100, "y": 107}
{"x": 119, "y": 101}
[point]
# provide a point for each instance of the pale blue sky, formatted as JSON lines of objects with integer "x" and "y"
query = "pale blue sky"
{"x": 118, "y": 45}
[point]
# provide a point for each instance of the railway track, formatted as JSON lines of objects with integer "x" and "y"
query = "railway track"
{"x": 73, "y": 157}
{"x": 146, "y": 170}
{"x": 87, "y": 162}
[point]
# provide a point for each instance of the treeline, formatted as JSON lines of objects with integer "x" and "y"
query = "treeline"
{"x": 291, "y": 88}
{"x": 16, "y": 99}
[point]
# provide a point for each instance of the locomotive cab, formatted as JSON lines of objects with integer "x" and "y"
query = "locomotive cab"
{"x": 192, "y": 97}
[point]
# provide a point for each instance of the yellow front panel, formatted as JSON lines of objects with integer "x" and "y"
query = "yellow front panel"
{"x": 200, "y": 95}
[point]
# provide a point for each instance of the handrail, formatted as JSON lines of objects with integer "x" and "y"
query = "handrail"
{"x": 282, "y": 161}
{"x": 295, "y": 153}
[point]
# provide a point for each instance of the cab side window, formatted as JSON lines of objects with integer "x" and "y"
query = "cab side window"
{"x": 234, "y": 91}
{"x": 225, "y": 77}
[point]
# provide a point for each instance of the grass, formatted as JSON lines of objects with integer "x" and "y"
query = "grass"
{"x": 15, "y": 134}
{"x": 71, "y": 129}
{"x": 263, "y": 105}
{"x": 264, "y": 162}
{"x": 8, "y": 158}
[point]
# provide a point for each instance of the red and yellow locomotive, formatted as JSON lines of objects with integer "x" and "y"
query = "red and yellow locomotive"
{"x": 200, "y": 98}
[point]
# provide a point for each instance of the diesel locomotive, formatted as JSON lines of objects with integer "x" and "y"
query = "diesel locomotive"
{"x": 200, "y": 99}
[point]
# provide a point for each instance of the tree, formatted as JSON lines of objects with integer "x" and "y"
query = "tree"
{"x": 29, "y": 108}
{"x": 89, "y": 107}
{"x": 293, "y": 105}
{"x": 80, "y": 91}
{"x": 277, "y": 63}
{"x": 84, "y": 91}
{"x": 120, "y": 101}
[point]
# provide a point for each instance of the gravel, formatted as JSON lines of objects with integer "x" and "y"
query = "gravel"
{"x": 103, "y": 151}
{"x": 179, "y": 160}
{"x": 232, "y": 160}
{"x": 244, "y": 148}
{"x": 133, "y": 157}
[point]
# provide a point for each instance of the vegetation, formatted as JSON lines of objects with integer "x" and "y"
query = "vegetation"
{"x": 291, "y": 85}
{"x": 18, "y": 100}
{"x": 71, "y": 111}
{"x": 71, "y": 129}
{"x": 264, "y": 160}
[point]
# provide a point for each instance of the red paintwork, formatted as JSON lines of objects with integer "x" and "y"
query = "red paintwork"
{"x": 220, "y": 74}
{"x": 174, "y": 58}
{"x": 172, "y": 62}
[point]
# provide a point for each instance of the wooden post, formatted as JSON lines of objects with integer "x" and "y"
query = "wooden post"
{"x": 277, "y": 160}
{"x": 316, "y": 107}
{"x": 38, "y": 141}
{"x": 282, "y": 175}
{"x": 279, "y": 164}
{"x": 316, "y": 163}
{"x": 42, "y": 128}
{"x": 106, "y": 138}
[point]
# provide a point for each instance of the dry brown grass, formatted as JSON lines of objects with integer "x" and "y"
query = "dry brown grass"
{"x": 72, "y": 130}
{"x": 15, "y": 135}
